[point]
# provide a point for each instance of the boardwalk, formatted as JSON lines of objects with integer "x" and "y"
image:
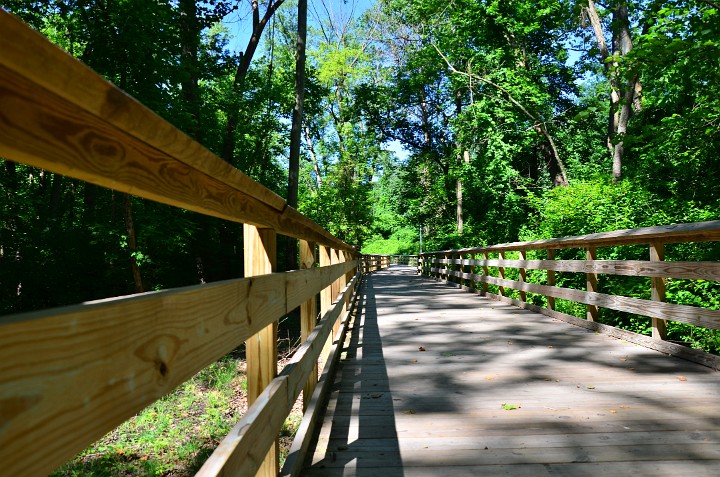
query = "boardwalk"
{"x": 427, "y": 369}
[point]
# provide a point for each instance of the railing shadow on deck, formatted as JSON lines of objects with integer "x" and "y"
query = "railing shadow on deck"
{"x": 362, "y": 398}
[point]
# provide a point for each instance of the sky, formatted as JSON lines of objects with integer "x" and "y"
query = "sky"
{"x": 240, "y": 21}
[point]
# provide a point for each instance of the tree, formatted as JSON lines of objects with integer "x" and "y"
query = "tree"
{"x": 296, "y": 129}
{"x": 233, "y": 107}
{"x": 623, "y": 96}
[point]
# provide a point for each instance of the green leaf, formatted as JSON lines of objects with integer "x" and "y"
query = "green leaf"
{"x": 510, "y": 407}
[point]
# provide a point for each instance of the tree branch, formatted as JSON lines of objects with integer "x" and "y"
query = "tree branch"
{"x": 541, "y": 123}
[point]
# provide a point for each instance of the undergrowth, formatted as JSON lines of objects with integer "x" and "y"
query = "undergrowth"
{"x": 175, "y": 435}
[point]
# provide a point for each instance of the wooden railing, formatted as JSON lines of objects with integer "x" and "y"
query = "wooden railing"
{"x": 370, "y": 263}
{"x": 470, "y": 269}
{"x": 69, "y": 375}
{"x": 410, "y": 260}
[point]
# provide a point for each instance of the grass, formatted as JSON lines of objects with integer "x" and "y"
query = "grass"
{"x": 174, "y": 436}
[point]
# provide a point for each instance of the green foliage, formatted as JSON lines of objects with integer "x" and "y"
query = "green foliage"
{"x": 174, "y": 435}
{"x": 404, "y": 241}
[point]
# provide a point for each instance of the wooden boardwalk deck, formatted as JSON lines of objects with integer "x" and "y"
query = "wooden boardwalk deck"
{"x": 426, "y": 369}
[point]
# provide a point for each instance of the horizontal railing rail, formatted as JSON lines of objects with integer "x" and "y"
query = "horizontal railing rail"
{"x": 371, "y": 263}
{"x": 69, "y": 375}
{"x": 410, "y": 260}
{"x": 471, "y": 268}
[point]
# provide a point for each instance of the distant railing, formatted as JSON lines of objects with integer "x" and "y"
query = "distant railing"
{"x": 370, "y": 263}
{"x": 470, "y": 269}
{"x": 69, "y": 375}
{"x": 410, "y": 260}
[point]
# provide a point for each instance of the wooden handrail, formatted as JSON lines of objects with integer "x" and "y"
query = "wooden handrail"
{"x": 442, "y": 266}
{"x": 71, "y": 374}
{"x": 678, "y": 233}
{"x": 59, "y": 115}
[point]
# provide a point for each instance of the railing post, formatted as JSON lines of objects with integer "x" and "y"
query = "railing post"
{"x": 501, "y": 273}
{"x": 260, "y": 247}
{"x": 336, "y": 286}
{"x": 551, "y": 280}
{"x": 592, "y": 285}
{"x": 486, "y": 270}
{"x": 448, "y": 267}
{"x": 657, "y": 254}
{"x": 308, "y": 317}
{"x": 523, "y": 276}
{"x": 326, "y": 297}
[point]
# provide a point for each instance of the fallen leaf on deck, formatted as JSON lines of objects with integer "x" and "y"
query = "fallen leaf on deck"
{"x": 409, "y": 411}
{"x": 591, "y": 387}
{"x": 376, "y": 395}
{"x": 413, "y": 360}
{"x": 421, "y": 349}
{"x": 489, "y": 378}
{"x": 681, "y": 378}
{"x": 510, "y": 407}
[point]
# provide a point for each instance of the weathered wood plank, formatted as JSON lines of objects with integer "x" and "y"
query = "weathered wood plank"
{"x": 581, "y": 469}
{"x": 592, "y": 285}
{"x": 427, "y": 370}
{"x": 657, "y": 292}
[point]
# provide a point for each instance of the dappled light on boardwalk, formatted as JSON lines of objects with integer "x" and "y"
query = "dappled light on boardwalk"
{"x": 436, "y": 381}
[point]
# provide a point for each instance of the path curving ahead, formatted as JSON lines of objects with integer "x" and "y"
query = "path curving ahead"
{"x": 427, "y": 368}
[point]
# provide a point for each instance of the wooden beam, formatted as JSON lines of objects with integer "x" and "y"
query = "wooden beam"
{"x": 659, "y": 327}
{"x": 243, "y": 450}
{"x": 308, "y": 318}
{"x": 631, "y": 268}
{"x": 70, "y": 375}
{"x": 551, "y": 279}
{"x": 501, "y": 275}
{"x": 326, "y": 295}
{"x": 592, "y": 285}
{"x": 261, "y": 349}
{"x": 296, "y": 457}
{"x": 523, "y": 276}
{"x": 485, "y": 271}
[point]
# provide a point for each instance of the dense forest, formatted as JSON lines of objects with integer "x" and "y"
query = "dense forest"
{"x": 473, "y": 122}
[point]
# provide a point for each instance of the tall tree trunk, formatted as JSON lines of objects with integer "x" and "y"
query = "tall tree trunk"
{"x": 291, "y": 259}
{"x": 630, "y": 93}
{"x": 459, "y": 196}
{"x": 132, "y": 244}
{"x": 233, "y": 112}
{"x": 190, "y": 27}
{"x": 313, "y": 158}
